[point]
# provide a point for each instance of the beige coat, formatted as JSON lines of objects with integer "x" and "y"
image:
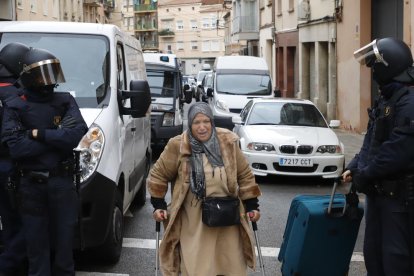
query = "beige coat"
{"x": 174, "y": 166}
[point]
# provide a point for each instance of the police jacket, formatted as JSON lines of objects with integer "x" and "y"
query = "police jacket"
{"x": 388, "y": 148}
{"x": 7, "y": 92}
{"x": 55, "y": 142}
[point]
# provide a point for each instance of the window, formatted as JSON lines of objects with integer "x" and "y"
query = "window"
{"x": 167, "y": 24}
{"x": 55, "y": 8}
{"x": 213, "y": 22}
{"x": 205, "y": 46}
{"x": 279, "y": 7}
{"x": 45, "y": 6}
{"x": 33, "y": 6}
{"x": 194, "y": 45}
{"x": 215, "y": 45}
{"x": 291, "y": 6}
{"x": 180, "y": 45}
{"x": 193, "y": 24}
{"x": 179, "y": 25}
{"x": 206, "y": 23}
{"x": 20, "y": 4}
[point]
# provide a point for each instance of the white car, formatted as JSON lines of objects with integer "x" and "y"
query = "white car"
{"x": 288, "y": 137}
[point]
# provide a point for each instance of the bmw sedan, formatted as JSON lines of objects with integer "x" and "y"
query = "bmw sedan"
{"x": 288, "y": 137}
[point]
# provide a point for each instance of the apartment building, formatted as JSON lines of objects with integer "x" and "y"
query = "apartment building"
{"x": 193, "y": 30}
{"x": 99, "y": 11}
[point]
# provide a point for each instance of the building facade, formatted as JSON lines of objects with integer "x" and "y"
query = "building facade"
{"x": 193, "y": 30}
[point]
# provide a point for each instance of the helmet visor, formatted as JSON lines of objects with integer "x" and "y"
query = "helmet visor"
{"x": 369, "y": 55}
{"x": 45, "y": 72}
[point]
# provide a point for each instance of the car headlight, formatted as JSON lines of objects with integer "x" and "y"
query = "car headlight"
{"x": 222, "y": 105}
{"x": 91, "y": 147}
{"x": 329, "y": 149}
{"x": 260, "y": 147}
{"x": 168, "y": 119}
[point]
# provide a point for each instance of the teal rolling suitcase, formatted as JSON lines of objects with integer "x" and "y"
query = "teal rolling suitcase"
{"x": 320, "y": 234}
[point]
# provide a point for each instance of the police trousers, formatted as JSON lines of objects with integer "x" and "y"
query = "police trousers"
{"x": 12, "y": 236}
{"x": 387, "y": 237}
{"x": 49, "y": 215}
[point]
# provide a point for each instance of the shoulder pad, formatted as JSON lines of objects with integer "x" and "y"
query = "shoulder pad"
{"x": 16, "y": 103}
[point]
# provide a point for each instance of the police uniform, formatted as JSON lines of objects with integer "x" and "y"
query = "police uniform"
{"x": 48, "y": 200}
{"x": 12, "y": 236}
{"x": 14, "y": 250}
{"x": 384, "y": 167}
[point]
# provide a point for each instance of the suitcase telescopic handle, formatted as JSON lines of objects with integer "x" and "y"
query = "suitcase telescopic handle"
{"x": 336, "y": 181}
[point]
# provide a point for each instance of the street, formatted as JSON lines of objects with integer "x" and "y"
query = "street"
{"x": 138, "y": 255}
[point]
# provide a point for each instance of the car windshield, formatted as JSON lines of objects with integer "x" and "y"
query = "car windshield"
{"x": 201, "y": 75}
{"x": 84, "y": 60}
{"x": 282, "y": 113}
{"x": 243, "y": 84}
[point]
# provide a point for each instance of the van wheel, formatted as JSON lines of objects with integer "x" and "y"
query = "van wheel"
{"x": 110, "y": 251}
{"x": 141, "y": 196}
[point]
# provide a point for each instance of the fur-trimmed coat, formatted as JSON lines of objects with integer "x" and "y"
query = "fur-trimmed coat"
{"x": 174, "y": 166}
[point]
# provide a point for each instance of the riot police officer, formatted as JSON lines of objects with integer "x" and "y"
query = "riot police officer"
{"x": 384, "y": 167}
{"x": 41, "y": 128}
{"x": 11, "y": 259}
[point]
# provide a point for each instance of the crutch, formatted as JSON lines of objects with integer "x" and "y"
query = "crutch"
{"x": 259, "y": 251}
{"x": 157, "y": 243}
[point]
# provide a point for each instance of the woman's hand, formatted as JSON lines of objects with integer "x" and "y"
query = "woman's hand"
{"x": 347, "y": 176}
{"x": 254, "y": 215}
{"x": 160, "y": 215}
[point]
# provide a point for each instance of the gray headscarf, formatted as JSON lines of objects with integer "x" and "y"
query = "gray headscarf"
{"x": 211, "y": 148}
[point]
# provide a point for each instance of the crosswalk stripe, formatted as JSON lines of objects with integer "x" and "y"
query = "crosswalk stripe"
{"x": 82, "y": 273}
{"x": 266, "y": 251}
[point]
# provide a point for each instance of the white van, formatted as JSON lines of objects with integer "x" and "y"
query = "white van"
{"x": 236, "y": 80}
{"x": 105, "y": 72}
{"x": 168, "y": 95}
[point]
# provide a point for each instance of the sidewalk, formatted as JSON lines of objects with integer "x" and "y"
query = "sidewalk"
{"x": 352, "y": 142}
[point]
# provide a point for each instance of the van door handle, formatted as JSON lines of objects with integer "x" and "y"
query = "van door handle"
{"x": 133, "y": 129}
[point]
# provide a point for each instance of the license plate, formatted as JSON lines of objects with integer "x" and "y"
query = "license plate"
{"x": 296, "y": 162}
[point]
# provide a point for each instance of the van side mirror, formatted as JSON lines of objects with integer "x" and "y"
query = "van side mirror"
{"x": 209, "y": 92}
{"x": 237, "y": 120}
{"x": 140, "y": 98}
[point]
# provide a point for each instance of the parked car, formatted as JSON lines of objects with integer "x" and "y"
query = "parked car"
{"x": 283, "y": 136}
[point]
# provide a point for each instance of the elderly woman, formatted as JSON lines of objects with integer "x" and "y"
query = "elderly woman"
{"x": 203, "y": 161}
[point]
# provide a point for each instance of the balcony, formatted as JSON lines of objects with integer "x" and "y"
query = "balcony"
{"x": 166, "y": 33}
{"x": 245, "y": 28}
{"x": 142, "y": 8}
{"x": 145, "y": 27}
{"x": 149, "y": 45}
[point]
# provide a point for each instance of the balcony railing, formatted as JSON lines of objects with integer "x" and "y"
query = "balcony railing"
{"x": 243, "y": 24}
{"x": 145, "y": 27}
{"x": 166, "y": 32}
{"x": 145, "y": 7}
{"x": 149, "y": 44}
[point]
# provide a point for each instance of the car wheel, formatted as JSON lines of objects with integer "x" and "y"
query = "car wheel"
{"x": 110, "y": 251}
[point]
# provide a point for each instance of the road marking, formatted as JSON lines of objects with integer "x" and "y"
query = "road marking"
{"x": 81, "y": 273}
{"x": 266, "y": 251}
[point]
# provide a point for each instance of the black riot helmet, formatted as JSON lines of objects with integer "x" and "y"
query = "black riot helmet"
{"x": 389, "y": 58}
{"x": 41, "y": 68}
{"x": 11, "y": 59}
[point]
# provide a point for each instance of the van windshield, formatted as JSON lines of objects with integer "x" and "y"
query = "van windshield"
{"x": 243, "y": 84}
{"x": 162, "y": 83}
{"x": 84, "y": 60}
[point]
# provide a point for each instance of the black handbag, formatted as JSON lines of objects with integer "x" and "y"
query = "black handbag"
{"x": 220, "y": 211}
